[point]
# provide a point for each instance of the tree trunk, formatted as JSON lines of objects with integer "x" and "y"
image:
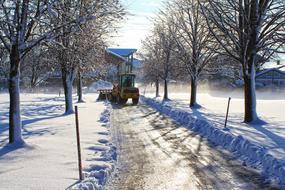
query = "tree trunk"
{"x": 250, "y": 114}
{"x": 165, "y": 97}
{"x": 193, "y": 101}
{"x": 33, "y": 79}
{"x": 15, "y": 124}
{"x": 79, "y": 87}
{"x": 157, "y": 88}
{"x": 67, "y": 87}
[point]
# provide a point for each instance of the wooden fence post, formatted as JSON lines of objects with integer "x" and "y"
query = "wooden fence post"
{"x": 228, "y": 108}
{"x": 78, "y": 143}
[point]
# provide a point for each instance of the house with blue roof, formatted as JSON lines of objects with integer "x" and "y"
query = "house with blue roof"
{"x": 124, "y": 52}
{"x": 123, "y": 57}
{"x": 272, "y": 72}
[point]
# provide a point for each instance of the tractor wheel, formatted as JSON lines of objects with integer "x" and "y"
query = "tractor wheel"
{"x": 112, "y": 98}
{"x": 124, "y": 101}
{"x": 121, "y": 100}
{"x": 118, "y": 99}
{"x": 135, "y": 101}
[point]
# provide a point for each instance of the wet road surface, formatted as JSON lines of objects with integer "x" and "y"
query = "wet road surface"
{"x": 155, "y": 153}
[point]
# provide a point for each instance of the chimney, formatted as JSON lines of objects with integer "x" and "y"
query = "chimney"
{"x": 278, "y": 62}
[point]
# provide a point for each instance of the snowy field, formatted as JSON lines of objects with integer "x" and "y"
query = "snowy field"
{"x": 49, "y": 158}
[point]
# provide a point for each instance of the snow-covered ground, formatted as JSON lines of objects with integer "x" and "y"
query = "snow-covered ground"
{"x": 270, "y": 134}
{"x": 49, "y": 158}
{"x": 270, "y": 107}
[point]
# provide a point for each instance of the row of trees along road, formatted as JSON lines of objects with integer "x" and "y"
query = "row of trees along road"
{"x": 74, "y": 32}
{"x": 193, "y": 33}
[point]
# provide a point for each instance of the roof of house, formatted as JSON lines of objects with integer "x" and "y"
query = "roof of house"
{"x": 278, "y": 69}
{"x": 116, "y": 55}
{"x": 124, "y": 52}
{"x": 272, "y": 64}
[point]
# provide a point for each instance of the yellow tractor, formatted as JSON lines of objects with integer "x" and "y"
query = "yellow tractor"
{"x": 125, "y": 89}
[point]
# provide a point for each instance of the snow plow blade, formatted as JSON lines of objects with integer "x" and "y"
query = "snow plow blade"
{"x": 104, "y": 94}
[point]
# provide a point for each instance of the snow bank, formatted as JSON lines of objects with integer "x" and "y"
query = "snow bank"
{"x": 100, "y": 84}
{"x": 250, "y": 153}
{"x": 95, "y": 177}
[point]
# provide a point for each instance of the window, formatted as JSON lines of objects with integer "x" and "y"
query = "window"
{"x": 127, "y": 80}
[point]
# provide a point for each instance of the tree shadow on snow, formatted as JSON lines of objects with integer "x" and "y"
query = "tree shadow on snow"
{"x": 36, "y": 112}
{"x": 37, "y": 132}
{"x": 179, "y": 145}
{"x": 234, "y": 120}
{"x": 262, "y": 127}
{"x": 29, "y": 133}
{"x": 13, "y": 147}
{"x": 265, "y": 128}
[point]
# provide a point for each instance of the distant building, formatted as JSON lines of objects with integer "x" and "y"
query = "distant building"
{"x": 125, "y": 58}
{"x": 125, "y": 61}
{"x": 271, "y": 73}
{"x": 52, "y": 79}
{"x": 271, "y": 76}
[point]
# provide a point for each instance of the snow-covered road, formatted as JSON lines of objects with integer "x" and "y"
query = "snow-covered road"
{"x": 155, "y": 153}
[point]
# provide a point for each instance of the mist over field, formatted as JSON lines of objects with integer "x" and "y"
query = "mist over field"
{"x": 266, "y": 93}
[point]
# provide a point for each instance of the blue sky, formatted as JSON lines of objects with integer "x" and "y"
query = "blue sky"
{"x": 137, "y": 25}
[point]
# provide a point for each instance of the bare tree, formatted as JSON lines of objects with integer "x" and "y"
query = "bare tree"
{"x": 223, "y": 67}
{"x": 163, "y": 46}
{"x": 193, "y": 40}
{"x": 4, "y": 69}
{"x": 91, "y": 54}
{"x": 92, "y": 41}
{"x": 37, "y": 66}
{"x": 71, "y": 48}
{"x": 18, "y": 21}
{"x": 150, "y": 74}
{"x": 246, "y": 29}
{"x": 151, "y": 63}
{"x": 23, "y": 25}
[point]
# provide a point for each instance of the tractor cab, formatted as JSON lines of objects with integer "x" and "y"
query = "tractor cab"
{"x": 127, "y": 80}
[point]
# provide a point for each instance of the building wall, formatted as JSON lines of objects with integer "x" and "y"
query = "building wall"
{"x": 271, "y": 77}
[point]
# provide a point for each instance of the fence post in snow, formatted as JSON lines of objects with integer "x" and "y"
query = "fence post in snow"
{"x": 78, "y": 144}
{"x": 228, "y": 108}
